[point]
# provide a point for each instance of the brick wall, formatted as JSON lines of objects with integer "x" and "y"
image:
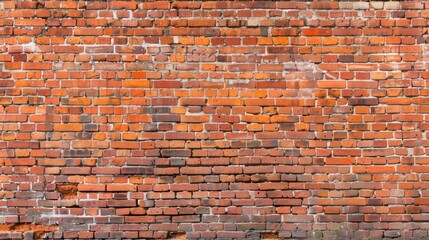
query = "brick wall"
{"x": 135, "y": 119}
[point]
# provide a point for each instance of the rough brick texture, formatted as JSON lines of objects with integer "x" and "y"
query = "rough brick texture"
{"x": 211, "y": 119}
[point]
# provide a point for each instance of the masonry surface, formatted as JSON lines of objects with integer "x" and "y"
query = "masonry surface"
{"x": 226, "y": 120}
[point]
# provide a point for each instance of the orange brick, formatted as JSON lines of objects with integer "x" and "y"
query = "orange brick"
{"x": 68, "y": 127}
{"x": 30, "y": 22}
{"x": 136, "y": 83}
{"x": 225, "y": 102}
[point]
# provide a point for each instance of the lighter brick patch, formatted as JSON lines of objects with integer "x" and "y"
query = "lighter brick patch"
{"x": 253, "y": 23}
{"x": 346, "y": 5}
{"x": 360, "y": 5}
{"x": 377, "y": 5}
{"x": 30, "y": 47}
{"x": 308, "y": 72}
{"x": 367, "y": 5}
{"x": 392, "y": 5}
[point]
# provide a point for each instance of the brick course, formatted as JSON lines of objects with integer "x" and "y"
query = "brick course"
{"x": 213, "y": 119}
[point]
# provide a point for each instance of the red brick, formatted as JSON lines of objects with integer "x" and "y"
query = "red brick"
{"x": 30, "y": 22}
{"x": 317, "y": 32}
{"x": 124, "y": 145}
{"x": 324, "y": 5}
{"x": 20, "y": 161}
{"x": 196, "y": 170}
{"x": 363, "y": 101}
{"x": 68, "y": 49}
{"x": 123, "y": 5}
{"x": 225, "y": 102}
{"x": 186, "y": 5}
{"x": 346, "y": 32}
{"x": 87, "y": 31}
{"x": 407, "y": 31}
{"x": 121, "y": 188}
{"x": 201, "y": 23}
{"x": 167, "y": 84}
{"x": 160, "y": 5}
{"x": 37, "y": 66}
{"x": 193, "y": 101}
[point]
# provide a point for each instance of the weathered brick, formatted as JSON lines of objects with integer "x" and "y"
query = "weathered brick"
{"x": 137, "y": 170}
{"x": 176, "y": 153}
{"x": 363, "y": 101}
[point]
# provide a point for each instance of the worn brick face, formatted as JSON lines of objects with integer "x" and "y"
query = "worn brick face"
{"x": 213, "y": 119}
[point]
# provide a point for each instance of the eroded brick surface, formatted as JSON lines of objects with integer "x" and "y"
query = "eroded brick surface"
{"x": 213, "y": 119}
